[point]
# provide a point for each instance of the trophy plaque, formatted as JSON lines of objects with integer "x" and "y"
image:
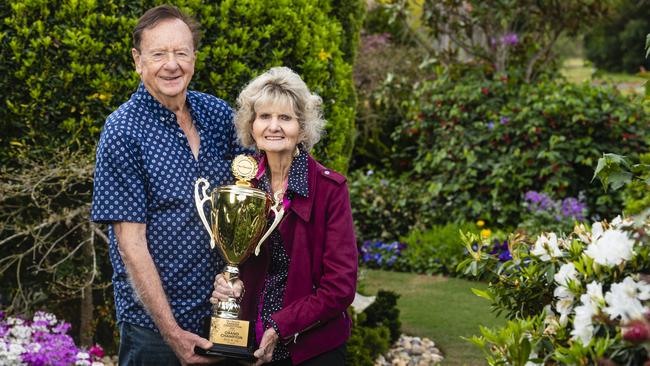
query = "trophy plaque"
{"x": 238, "y": 216}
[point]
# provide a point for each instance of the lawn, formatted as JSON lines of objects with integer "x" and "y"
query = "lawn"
{"x": 578, "y": 71}
{"x": 440, "y": 308}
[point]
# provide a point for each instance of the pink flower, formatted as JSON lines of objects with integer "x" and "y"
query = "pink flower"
{"x": 636, "y": 331}
{"x": 96, "y": 351}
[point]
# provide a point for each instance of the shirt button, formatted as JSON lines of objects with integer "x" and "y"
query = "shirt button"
{"x": 180, "y": 134}
{"x": 327, "y": 172}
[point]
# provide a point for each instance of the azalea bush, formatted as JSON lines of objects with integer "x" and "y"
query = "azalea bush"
{"x": 42, "y": 341}
{"x": 485, "y": 139}
{"x": 574, "y": 299}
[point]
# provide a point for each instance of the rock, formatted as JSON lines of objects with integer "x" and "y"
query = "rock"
{"x": 411, "y": 351}
{"x": 360, "y": 302}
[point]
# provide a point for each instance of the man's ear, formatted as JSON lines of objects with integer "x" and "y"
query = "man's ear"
{"x": 136, "y": 59}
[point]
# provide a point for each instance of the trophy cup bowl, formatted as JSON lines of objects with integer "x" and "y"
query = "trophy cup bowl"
{"x": 238, "y": 217}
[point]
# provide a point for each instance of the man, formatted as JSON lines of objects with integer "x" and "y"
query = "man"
{"x": 151, "y": 151}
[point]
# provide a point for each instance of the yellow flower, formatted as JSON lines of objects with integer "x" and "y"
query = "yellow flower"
{"x": 323, "y": 55}
{"x": 480, "y": 223}
{"x": 485, "y": 233}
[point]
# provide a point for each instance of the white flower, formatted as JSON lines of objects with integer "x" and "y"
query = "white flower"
{"x": 617, "y": 221}
{"x": 611, "y": 248}
{"x": 624, "y": 299}
{"x": 22, "y": 333}
{"x": 47, "y": 317}
{"x": 595, "y": 294}
{"x": 546, "y": 247}
{"x": 97, "y": 363}
{"x": 583, "y": 329}
{"x": 566, "y": 274}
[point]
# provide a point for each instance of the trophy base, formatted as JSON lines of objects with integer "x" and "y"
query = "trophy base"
{"x": 231, "y": 338}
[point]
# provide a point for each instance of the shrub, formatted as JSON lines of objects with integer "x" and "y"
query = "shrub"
{"x": 72, "y": 61}
{"x": 577, "y": 300}
{"x": 482, "y": 141}
{"x": 384, "y": 312}
{"x": 386, "y": 75}
{"x": 374, "y": 330}
{"x": 437, "y": 250}
{"x": 386, "y": 208}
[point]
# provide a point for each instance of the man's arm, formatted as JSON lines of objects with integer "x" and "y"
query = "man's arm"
{"x": 132, "y": 245}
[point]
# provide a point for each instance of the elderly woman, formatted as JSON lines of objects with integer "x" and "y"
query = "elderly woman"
{"x": 299, "y": 288}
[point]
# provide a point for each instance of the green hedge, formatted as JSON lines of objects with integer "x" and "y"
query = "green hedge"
{"x": 67, "y": 65}
{"x": 483, "y": 142}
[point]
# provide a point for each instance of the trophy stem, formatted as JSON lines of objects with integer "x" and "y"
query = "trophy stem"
{"x": 229, "y": 309}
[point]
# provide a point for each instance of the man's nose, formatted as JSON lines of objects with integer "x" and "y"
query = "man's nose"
{"x": 171, "y": 62}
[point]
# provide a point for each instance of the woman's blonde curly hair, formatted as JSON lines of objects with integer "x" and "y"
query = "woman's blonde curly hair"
{"x": 280, "y": 85}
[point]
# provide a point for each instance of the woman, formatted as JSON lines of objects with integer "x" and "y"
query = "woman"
{"x": 299, "y": 288}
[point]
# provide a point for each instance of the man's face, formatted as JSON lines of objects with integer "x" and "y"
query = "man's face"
{"x": 166, "y": 60}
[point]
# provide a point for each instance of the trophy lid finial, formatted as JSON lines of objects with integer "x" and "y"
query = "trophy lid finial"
{"x": 244, "y": 168}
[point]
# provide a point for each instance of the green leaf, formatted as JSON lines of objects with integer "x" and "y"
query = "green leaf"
{"x": 483, "y": 294}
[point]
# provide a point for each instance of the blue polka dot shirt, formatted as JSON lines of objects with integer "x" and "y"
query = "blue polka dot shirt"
{"x": 145, "y": 173}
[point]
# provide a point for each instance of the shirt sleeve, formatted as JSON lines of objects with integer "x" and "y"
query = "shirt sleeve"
{"x": 119, "y": 184}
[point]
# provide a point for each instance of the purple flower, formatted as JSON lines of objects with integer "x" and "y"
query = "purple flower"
{"x": 505, "y": 256}
{"x": 491, "y": 125}
{"x": 510, "y": 39}
{"x": 504, "y": 120}
{"x": 573, "y": 208}
{"x": 538, "y": 201}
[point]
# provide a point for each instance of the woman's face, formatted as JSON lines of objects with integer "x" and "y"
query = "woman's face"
{"x": 276, "y": 129}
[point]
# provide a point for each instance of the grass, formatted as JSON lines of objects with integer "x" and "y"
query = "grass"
{"x": 440, "y": 308}
{"x": 578, "y": 71}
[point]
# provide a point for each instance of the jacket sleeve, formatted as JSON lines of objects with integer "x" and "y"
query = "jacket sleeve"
{"x": 338, "y": 283}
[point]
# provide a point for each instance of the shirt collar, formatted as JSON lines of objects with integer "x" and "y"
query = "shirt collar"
{"x": 297, "y": 182}
{"x": 153, "y": 105}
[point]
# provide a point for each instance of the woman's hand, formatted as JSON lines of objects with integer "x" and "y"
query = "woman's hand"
{"x": 265, "y": 353}
{"x": 223, "y": 289}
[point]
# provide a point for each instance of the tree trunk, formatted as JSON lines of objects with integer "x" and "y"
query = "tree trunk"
{"x": 86, "y": 330}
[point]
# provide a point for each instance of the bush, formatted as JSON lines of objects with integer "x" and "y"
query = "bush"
{"x": 386, "y": 208}
{"x": 386, "y": 75}
{"x": 483, "y": 141}
{"x": 616, "y": 43}
{"x": 72, "y": 61}
{"x": 579, "y": 300}
{"x": 437, "y": 250}
{"x": 374, "y": 330}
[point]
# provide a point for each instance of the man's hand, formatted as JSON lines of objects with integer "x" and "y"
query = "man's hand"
{"x": 183, "y": 343}
{"x": 223, "y": 289}
{"x": 265, "y": 353}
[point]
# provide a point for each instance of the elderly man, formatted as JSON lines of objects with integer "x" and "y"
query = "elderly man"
{"x": 151, "y": 151}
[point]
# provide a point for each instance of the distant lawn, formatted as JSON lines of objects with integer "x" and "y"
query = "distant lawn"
{"x": 577, "y": 71}
{"x": 440, "y": 308}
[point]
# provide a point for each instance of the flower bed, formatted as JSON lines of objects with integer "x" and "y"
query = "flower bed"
{"x": 42, "y": 341}
{"x": 579, "y": 299}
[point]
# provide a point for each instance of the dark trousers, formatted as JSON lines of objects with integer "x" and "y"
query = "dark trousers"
{"x": 335, "y": 357}
{"x": 141, "y": 346}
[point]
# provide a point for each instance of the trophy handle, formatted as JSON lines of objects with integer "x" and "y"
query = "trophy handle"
{"x": 278, "y": 209}
{"x": 200, "y": 202}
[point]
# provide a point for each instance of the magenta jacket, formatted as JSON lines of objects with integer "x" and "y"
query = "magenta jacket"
{"x": 318, "y": 236}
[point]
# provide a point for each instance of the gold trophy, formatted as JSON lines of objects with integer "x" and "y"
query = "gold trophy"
{"x": 238, "y": 216}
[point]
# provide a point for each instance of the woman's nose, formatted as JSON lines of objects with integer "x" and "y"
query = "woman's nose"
{"x": 274, "y": 123}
